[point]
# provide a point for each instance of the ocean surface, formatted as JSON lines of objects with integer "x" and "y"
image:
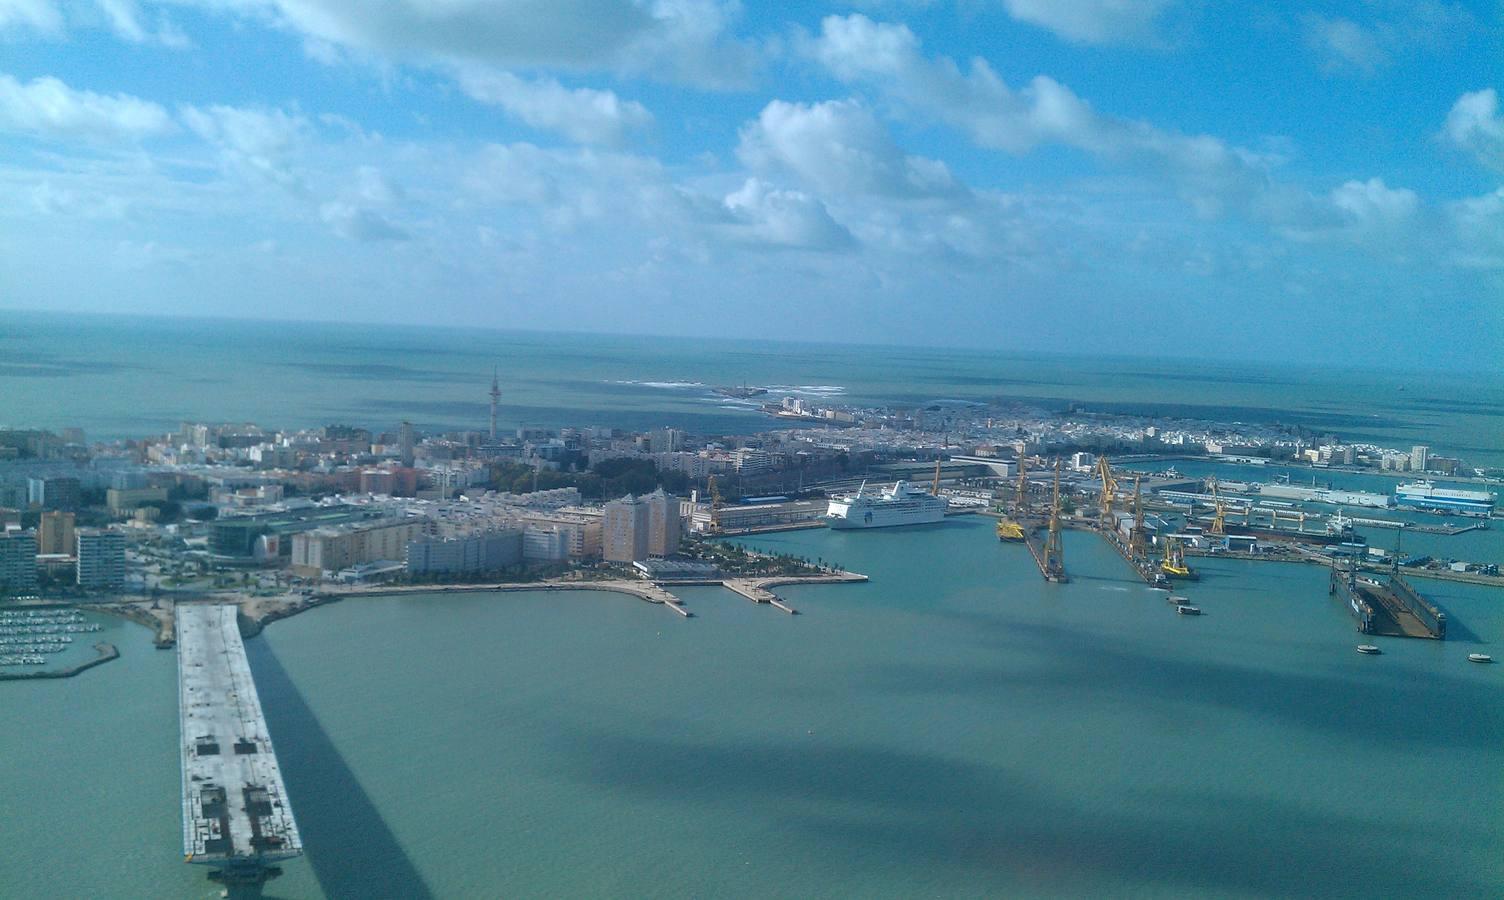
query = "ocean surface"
{"x": 121, "y": 376}
{"x": 954, "y": 727}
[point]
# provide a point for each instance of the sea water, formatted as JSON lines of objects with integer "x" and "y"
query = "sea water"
{"x": 126, "y": 377}
{"x": 954, "y": 727}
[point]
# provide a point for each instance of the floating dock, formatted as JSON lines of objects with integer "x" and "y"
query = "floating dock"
{"x": 236, "y": 813}
{"x": 1388, "y": 606}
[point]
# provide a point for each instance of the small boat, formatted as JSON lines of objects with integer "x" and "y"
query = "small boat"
{"x": 1186, "y": 609}
{"x": 1369, "y": 649}
{"x": 1479, "y": 658}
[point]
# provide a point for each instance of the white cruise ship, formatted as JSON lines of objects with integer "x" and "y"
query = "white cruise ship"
{"x": 900, "y": 505}
{"x": 1425, "y": 495}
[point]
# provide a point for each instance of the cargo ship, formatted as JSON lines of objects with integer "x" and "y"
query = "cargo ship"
{"x": 1427, "y": 496}
{"x": 903, "y": 504}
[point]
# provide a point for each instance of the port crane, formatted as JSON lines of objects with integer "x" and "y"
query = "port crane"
{"x": 1109, "y": 489}
{"x": 1054, "y": 550}
{"x": 935, "y": 488}
{"x": 715, "y": 504}
{"x": 1021, "y": 493}
{"x": 1219, "y": 525}
{"x": 1137, "y": 545}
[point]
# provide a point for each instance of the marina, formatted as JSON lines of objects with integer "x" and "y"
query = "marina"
{"x": 29, "y": 636}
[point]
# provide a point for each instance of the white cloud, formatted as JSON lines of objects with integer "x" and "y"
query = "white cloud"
{"x": 686, "y": 40}
{"x": 48, "y": 108}
{"x": 1210, "y": 173}
{"x": 124, "y": 17}
{"x": 1475, "y": 124}
{"x": 584, "y": 115}
{"x": 257, "y": 142}
{"x": 1091, "y": 21}
{"x": 42, "y": 15}
{"x": 1344, "y": 43}
{"x": 1373, "y": 203}
{"x": 784, "y": 218}
{"x": 359, "y": 223}
{"x": 839, "y": 147}
{"x": 1478, "y": 227}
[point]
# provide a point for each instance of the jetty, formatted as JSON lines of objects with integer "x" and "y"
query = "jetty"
{"x": 758, "y": 590}
{"x": 237, "y": 817}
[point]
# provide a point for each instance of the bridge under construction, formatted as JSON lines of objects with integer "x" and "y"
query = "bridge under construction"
{"x": 236, "y": 815}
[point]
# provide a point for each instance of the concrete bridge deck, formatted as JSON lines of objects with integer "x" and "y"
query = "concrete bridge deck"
{"x": 236, "y": 814}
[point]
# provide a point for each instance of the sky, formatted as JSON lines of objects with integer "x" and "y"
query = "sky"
{"x": 1316, "y": 181}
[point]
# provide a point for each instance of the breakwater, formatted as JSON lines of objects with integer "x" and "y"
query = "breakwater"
{"x": 106, "y": 651}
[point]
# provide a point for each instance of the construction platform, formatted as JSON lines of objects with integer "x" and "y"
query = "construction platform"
{"x": 236, "y": 814}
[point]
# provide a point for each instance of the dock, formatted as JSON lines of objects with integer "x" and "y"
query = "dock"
{"x": 1142, "y": 567}
{"x": 1388, "y": 606}
{"x": 1036, "y": 550}
{"x": 237, "y": 817}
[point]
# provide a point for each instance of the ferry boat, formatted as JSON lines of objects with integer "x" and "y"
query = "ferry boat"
{"x": 1426, "y": 495}
{"x": 902, "y": 504}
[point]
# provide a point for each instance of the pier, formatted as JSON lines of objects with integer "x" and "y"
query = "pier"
{"x": 757, "y": 589}
{"x": 237, "y": 818}
{"x": 1037, "y": 550}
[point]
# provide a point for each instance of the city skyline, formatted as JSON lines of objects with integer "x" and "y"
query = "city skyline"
{"x": 870, "y": 173}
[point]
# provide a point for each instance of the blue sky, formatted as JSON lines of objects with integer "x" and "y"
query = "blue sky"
{"x": 1315, "y": 179}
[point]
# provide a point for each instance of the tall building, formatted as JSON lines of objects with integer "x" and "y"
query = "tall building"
{"x": 1420, "y": 458}
{"x": 18, "y": 562}
{"x": 405, "y": 440}
{"x": 101, "y": 559}
{"x": 663, "y": 523}
{"x": 54, "y": 492}
{"x": 55, "y": 533}
{"x": 625, "y": 528}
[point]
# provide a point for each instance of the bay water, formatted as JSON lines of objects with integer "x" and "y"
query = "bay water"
{"x": 954, "y": 727}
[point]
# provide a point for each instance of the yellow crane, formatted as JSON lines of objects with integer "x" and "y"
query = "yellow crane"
{"x": 1219, "y": 526}
{"x": 935, "y": 488}
{"x": 715, "y": 504}
{"x": 1109, "y": 489}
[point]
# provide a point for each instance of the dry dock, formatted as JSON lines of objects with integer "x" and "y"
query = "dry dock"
{"x": 236, "y": 814}
{"x": 1388, "y": 606}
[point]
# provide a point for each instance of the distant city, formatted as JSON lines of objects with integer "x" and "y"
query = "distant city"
{"x": 219, "y": 506}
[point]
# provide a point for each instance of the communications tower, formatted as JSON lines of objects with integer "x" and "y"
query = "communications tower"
{"x": 495, "y": 398}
